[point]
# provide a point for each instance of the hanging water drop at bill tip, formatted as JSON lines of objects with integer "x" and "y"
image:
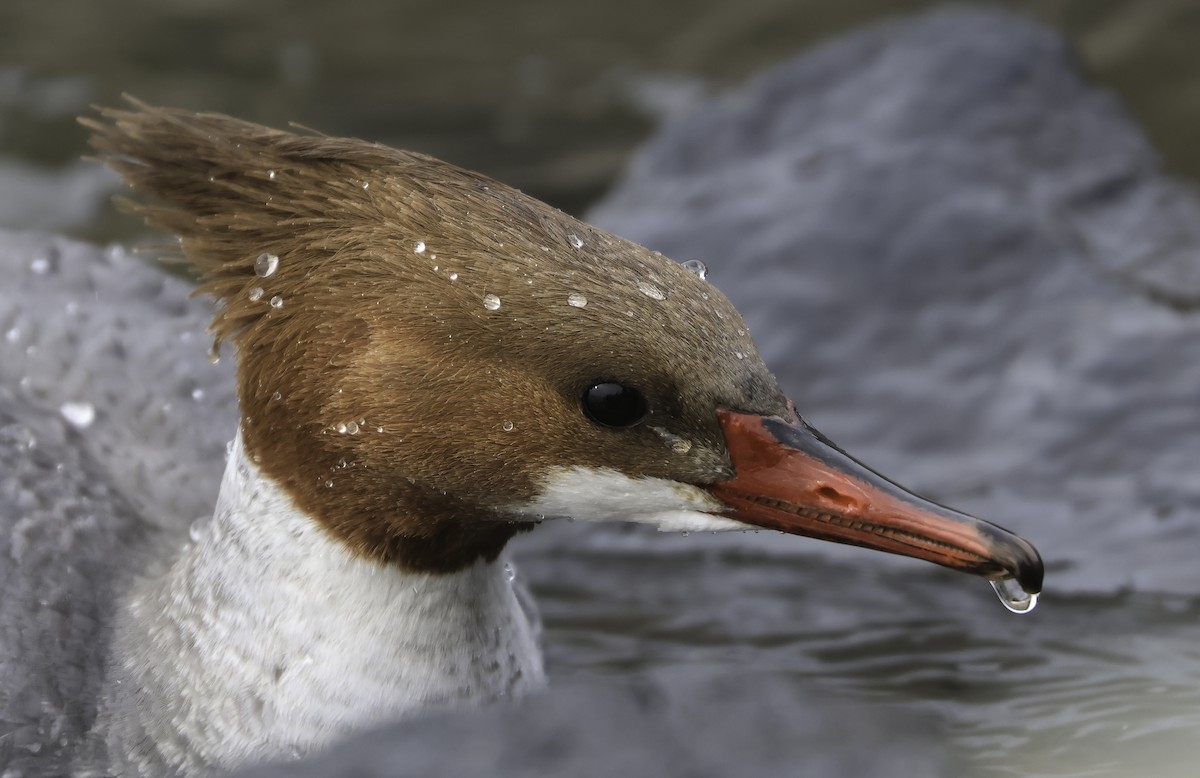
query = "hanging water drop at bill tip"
{"x": 1013, "y": 597}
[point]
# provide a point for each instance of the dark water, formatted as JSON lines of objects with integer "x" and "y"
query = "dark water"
{"x": 548, "y": 98}
{"x": 1088, "y": 684}
{"x": 1103, "y": 679}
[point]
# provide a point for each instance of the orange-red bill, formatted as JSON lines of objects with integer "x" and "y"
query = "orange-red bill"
{"x": 788, "y": 477}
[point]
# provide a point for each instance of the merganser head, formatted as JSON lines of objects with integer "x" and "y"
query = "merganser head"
{"x": 430, "y": 361}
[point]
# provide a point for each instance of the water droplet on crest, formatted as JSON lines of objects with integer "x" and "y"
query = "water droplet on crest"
{"x": 491, "y": 302}
{"x": 508, "y": 426}
{"x": 255, "y": 293}
{"x": 419, "y": 247}
{"x": 697, "y": 267}
{"x": 265, "y": 265}
{"x": 1013, "y": 597}
{"x": 276, "y": 302}
{"x": 352, "y": 428}
{"x": 277, "y": 396}
{"x": 271, "y": 174}
{"x": 576, "y": 241}
{"x": 576, "y": 300}
{"x": 454, "y": 276}
{"x": 651, "y": 291}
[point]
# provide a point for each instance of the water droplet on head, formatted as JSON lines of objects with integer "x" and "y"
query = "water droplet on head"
{"x": 255, "y": 293}
{"x": 739, "y": 354}
{"x": 454, "y": 276}
{"x": 341, "y": 427}
{"x": 491, "y": 302}
{"x": 419, "y": 247}
{"x": 329, "y": 484}
{"x": 265, "y": 265}
{"x": 508, "y": 426}
{"x": 352, "y": 428}
{"x": 79, "y": 414}
{"x": 277, "y": 396}
{"x": 651, "y": 291}
{"x": 576, "y": 300}
{"x": 697, "y": 267}
{"x": 1013, "y": 597}
{"x": 576, "y": 241}
{"x": 276, "y": 302}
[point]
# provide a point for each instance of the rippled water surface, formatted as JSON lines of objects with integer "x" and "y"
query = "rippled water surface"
{"x": 1087, "y": 684}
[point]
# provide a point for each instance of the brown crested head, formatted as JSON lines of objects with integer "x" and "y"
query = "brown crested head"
{"x": 418, "y": 354}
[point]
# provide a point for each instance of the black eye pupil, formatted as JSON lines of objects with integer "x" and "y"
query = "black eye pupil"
{"x": 614, "y": 405}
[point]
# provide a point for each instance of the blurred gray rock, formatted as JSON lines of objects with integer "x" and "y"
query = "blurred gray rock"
{"x": 107, "y": 341}
{"x": 61, "y": 525}
{"x": 968, "y": 267}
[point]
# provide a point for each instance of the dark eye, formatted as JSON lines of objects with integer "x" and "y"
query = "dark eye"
{"x": 613, "y": 404}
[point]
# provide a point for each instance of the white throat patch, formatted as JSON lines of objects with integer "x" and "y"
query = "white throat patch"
{"x": 603, "y": 494}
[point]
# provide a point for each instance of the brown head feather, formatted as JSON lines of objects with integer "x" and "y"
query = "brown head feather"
{"x": 385, "y": 259}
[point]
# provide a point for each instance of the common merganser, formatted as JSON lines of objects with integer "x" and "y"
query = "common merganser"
{"x": 429, "y": 363}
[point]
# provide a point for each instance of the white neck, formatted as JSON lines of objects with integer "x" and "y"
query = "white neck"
{"x": 267, "y": 639}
